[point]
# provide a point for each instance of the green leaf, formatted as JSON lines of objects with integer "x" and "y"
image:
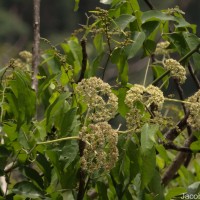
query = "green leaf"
{"x": 21, "y": 101}
{"x": 27, "y": 190}
{"x": 4, "y": 155}
{"x": 44, "y": 84}
{"x": 173, "y": 192}
{"x": 56, "y": 110}
{"x": 69, "y": 153}
{"x": 69, "y": 122}
{"x": 119, "y": 57}
{"x": 98, "y": 43}
{"x": 178, "y": 40}
{"x": 123, "y": 20}
{"x": 132, "y": 49}
{"x": 2, "y": 71}
{"x": 122, "y": 107}
{"x": 69, "y": 177}
{"x": 133, "y": 154}
{"x": 162, "y": 152}
{"x": 52, "y": 62}
{"x": 102, "y": 191}
{"x": 149, "y": 47}
{"x": 76, "y": 5}
{"x": 125, "y": 169}
{"x": 53, "y": 97}
{"x": 156, "y": 15}
{"x": 192, "y": 41}
{"x": 194, "y": 188}
{"x": 134, "y": 5}
{"x": 66, "y": 76}
{"x": 54, "y": 159}
{"x": 45, "y": 166}
{"x": 158, "y": 71}
{"x": 34, "y": 176}
{"x": 155, "y": 186}
{"x": 148, "y": 134}
{"x": 149, "y": 27}
{"x": 148, "y": 167}
{"x": 195, "y": 146}
{"x": 76, "y": 50}
{"x": 10, "y": 129}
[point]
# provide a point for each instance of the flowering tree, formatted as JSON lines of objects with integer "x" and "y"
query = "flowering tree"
{"x": 77, "y": 136}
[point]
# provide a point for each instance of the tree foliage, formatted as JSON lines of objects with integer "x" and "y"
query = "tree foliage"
{"x": 78, "y": 137}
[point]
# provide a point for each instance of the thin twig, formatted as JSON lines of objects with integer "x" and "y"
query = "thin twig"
{"x": 59, "y": 140}
{"x": 146, "y": 72}
{"x": 36, "y": 43}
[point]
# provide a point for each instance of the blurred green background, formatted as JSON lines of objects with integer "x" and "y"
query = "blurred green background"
{"x": 58, "y": 20}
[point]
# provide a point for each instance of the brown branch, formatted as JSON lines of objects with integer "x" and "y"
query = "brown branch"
{"x": 84, "y": 59}
{"x": 181, "y": 125}
{"x": 81, "y": 189}
{"x": 172, "y": 146}
{"x": 179, "y": 160}
{"x": 36, "y": 43}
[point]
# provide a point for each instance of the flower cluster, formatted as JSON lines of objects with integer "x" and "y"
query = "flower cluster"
{"x": 135, "y": 119}
{"x": 150, "y": 96}
{"x": 177, "y": 71}
{"x": 100, "y": 152}
{"x": 26, "y": 55}
{"x": 24, "y": 62}
{"x": 194, "y": 109}
{"x": 161, "y": 48}
{"x": 134, "y": 94}
{"x": 102, "y": 103}
{"x": 154, "y": 96}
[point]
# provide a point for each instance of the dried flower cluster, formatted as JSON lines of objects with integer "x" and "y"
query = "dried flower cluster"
{"x": 177, "y": 71}
{"x": 102, "y": 103}
{"x": 149, "y": 96}
{"x": 100, "y": 151}
{"x": 194, "y": 109}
